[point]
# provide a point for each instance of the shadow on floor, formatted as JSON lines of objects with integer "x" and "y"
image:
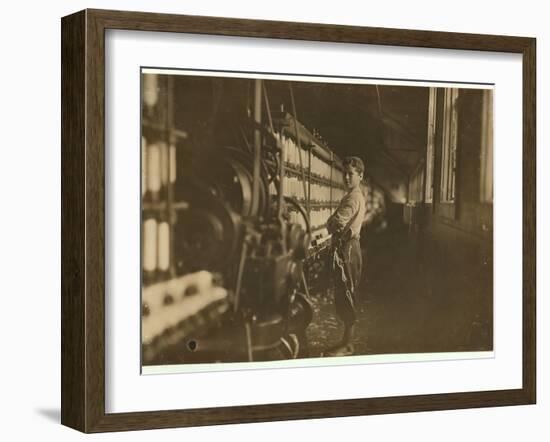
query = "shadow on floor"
{"x": 410, "y": 301}
{"x": 51, "y": 414}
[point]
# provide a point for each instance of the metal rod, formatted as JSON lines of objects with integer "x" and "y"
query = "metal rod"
{"x": 379, "y": 102}
{"x": 240, "y": 275}
{"x": 281, "y": 171}
{"x": 266, "y": 98}
{"x": 248, "y": 148}
{"x": 169, "y": 185}
{"x": 304, "y": 282}
{"x": 309, "y": 185}
{"x": 281, "y": 178}
{"x": 248, "y": 341}
{"x": 331, "y": 177}
{"x": 257, "y": 145}
{"x": 299, "y": 146}
{"x": 280, "y": 196}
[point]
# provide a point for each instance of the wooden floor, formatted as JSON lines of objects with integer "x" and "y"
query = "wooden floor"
{"x": 408, "y": 302}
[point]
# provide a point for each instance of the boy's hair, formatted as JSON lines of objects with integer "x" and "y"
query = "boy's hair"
{"x": 356, "y": 163}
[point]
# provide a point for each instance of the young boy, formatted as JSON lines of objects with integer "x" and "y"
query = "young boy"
{"x": 345, "y": 226}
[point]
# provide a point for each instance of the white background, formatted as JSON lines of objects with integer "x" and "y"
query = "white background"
{"x": 125, "y": 52}
{"x": 30, "y": 229}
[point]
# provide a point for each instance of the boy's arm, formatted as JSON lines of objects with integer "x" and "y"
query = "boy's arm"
{"x": 343, "y": 215}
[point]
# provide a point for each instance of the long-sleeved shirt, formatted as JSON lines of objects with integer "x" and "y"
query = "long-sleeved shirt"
{"x": 349, "y": 214}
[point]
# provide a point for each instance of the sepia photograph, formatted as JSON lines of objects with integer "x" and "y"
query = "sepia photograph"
{"x": 307, "y": 218}
{"x": 267, "y": 220}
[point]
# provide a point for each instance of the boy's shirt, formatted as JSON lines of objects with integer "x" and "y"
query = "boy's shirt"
{"x": 349, "y": 214}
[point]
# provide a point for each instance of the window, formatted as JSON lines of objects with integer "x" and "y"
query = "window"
{"x": 448, "y": 154}
{"x": 416, "y": 184}
{"x": 430, "y": 145}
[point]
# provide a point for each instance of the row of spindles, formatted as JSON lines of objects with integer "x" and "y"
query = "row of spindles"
{"x": 158, "y": 175}
{"x": 324, "y": 182}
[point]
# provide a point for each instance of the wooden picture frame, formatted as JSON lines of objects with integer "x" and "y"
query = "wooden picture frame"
{"x": 83, "y": 220}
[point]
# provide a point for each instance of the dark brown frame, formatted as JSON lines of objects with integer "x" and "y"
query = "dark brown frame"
{"x": 83, "y": 216}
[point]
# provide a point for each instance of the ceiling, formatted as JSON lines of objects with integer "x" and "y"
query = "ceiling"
{"x": 384, "y": 125}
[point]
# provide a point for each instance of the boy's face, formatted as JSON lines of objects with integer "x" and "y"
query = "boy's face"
{"x": 352, "y": 177}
